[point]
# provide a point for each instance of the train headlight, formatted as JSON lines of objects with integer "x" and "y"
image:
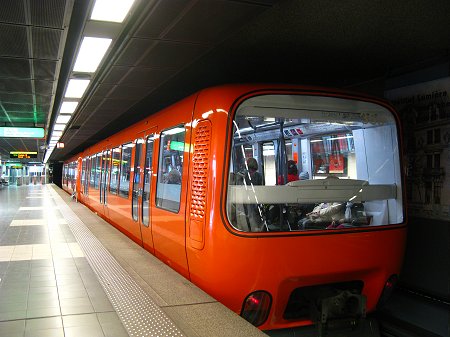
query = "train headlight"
{"x": 388, "y": 289}
{"x": 256, "y": 307}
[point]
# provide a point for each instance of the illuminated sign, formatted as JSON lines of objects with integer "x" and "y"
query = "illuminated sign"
{"x": 14, "y": 165}
{"x": 22, "y": 155}
{"x": 177, "y": 146}
{"x": 12, "y": 132}
{"x": 60, "y": 145}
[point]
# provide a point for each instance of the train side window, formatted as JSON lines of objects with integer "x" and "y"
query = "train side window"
{"x": 170, "y": 169}
{"x": 115, "y": 170}
{"x": 125, "y": 168}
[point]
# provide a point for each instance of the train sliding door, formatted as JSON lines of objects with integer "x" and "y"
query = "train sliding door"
{"x": 141, "y": 186}
{"x": 104, "y": 180}
{"x": 168, "y": 215}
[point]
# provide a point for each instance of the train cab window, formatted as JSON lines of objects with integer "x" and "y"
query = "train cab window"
{"x": 170, "y": 169}
{"x": 125, "y": 168}
{"x": 327, "y": 163}
{"x": 115, "y": 170}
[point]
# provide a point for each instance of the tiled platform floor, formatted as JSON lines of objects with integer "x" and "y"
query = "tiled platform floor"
{"x": 48, "y": 287}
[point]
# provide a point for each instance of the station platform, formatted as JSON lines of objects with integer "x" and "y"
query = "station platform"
{"x": 66, "y": 272}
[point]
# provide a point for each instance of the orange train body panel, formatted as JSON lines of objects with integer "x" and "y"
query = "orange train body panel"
{"x": 198, "y": 240}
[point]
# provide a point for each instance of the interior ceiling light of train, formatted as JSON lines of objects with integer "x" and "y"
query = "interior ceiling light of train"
{"x": 100, "y": 32}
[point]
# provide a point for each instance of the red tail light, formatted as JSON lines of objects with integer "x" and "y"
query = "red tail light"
{"x": 256, "y": 307}
{"x": 388, "y": 289}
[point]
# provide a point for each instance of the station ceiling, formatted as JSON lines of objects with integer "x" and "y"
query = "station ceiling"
{"x": 168, "y": 49}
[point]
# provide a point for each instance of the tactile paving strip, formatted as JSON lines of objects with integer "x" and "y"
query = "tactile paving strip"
{"x": 137, "y": 311}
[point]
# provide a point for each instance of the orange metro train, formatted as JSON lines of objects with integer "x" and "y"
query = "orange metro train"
{"x": 285, "y": 203}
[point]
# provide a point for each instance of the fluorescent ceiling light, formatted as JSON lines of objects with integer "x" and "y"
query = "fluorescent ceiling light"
{"x": 59, "y": 127}
{"x": 111, "y": 10}
{"x": 173, "y": 131}
{"x": 57, "y": 133}
{"x": 76, "y": 88}
{"x": 91, "y": 54}
{"x": 63, "y": 119}
{"x": 68, "y": 107}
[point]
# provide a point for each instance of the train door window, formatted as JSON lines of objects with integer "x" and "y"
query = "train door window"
{"x": 98, "y": 170}
{"x": 64, "y": 180}
{"x": 333, "y": 155}
{"x": 136, "y": 179}
{"x": 115, "y": 170}
{"x": 86, "y": 181}
{"x": 93, "y": 166}
{"x": 83, "y": 173}
{"x": 270, "y": 174}
{"x": 170, "y": 166}
{"x": 125, "y": 168}
{"x": 102, "y": 177}
{"x": 105, "y": 176}
{"x": 147, "y": 181}
{"x": 72, "y": 175}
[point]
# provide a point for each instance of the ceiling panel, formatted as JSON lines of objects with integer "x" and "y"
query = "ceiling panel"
{"x": 43, "y": 99}
{"x": 15, "y": 85}
{"x": 134, "y": 51}
{"x": 12, "y": 11}
{"x": 85, "y": 114}
{"x": 13, "y": 41}
{"x": 43, "y": 87}
{"x": 130, "y": 92}
{"x": 16, "y": 98}
{"x": 111, "y": 106}
{"x": 44, "y": 69}
{"x": 17, "y": 107}
{"x": 207, "y": 21}
{"x": 48, "y": 13}
{"x": 103, "y": 90}
{"x": 45, "y": 43}
{"x": 162, "y": 17}
{"x": 15, "y": 68}
{"x": 146, "y": 77}
{"x": 173, "y": 55}
{"x": 116, "y": 74}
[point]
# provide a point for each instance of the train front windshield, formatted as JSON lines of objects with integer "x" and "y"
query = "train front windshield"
{"x": 301, "y": 163}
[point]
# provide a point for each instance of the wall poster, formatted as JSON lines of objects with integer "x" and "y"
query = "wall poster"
{"x": 425, "y": 112}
